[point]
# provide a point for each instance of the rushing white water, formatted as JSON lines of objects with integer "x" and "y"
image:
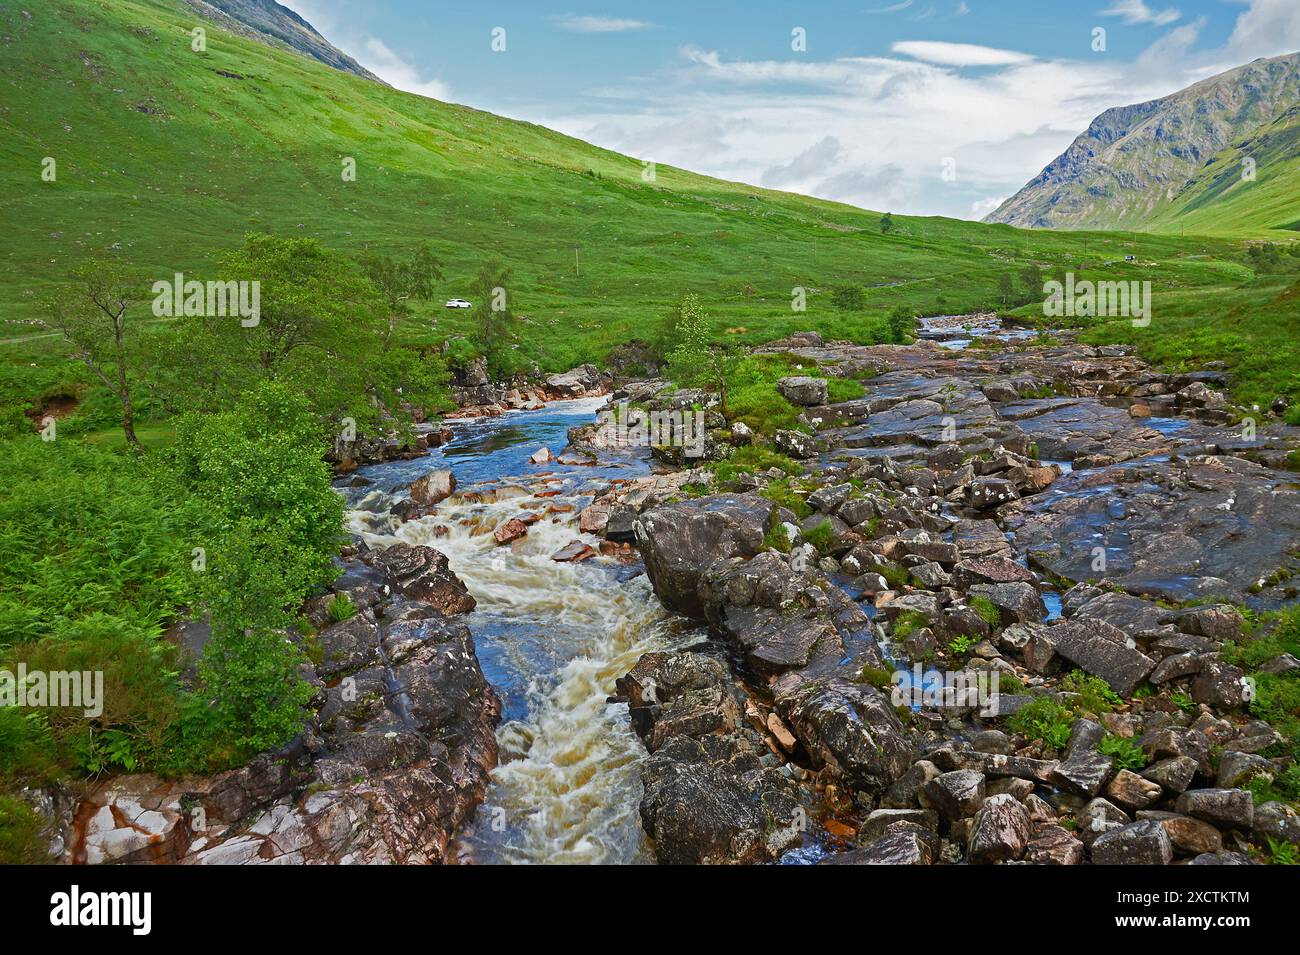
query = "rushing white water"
{"x": 552, "y": 638}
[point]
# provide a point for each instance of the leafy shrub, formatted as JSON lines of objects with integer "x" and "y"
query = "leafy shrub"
{"x": 20, "y": 833}
{"x": 1094, "y": 693}
{"x": 1043, "y": 719}
{"x": 961, "y": 645}
{"x": 987, "y": 610}
{"x": 341, "y": 607}
{"x": 260, "y": 465}
{"x": 849, "y": 298}
{"x": 1126, "y": 753}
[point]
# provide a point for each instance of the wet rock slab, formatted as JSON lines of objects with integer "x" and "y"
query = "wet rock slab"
{"x": 1177, "y": 531}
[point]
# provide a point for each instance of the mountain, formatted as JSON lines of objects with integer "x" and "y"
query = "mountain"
{"x": 271, "y": 22}
{"x": 171, "y": 156}
{"x": 1176, "y": 162}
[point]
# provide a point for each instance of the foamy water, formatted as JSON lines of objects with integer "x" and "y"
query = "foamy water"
{"x": 552, "y": 638}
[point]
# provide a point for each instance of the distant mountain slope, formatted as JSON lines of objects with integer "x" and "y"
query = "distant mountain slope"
{"x": 170, "y": 156}
{"x": 267, "y": 19}
{"x": 1153, "y": 164}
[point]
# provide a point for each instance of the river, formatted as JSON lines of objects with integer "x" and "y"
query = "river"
{"x": 551, "y": 637}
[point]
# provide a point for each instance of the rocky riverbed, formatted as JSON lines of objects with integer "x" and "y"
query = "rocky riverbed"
{"x": 1004, "y": 511}
{"x": 566, "y": 651}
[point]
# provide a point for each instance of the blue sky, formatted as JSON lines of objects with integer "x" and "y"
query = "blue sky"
{"x": 913, "y": 106}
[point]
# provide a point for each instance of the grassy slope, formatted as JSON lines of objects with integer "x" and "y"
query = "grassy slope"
{"x": 1218, "y": 201}
{"x": 217, "y": 156}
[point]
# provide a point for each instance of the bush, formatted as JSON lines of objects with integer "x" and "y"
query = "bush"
{"x": 258, "y": 469}
{"x": 275, "y": 525}
{"x": 1043, "y": 719}
{"x": 848, "y": 298}
{"x": 1126, "y": 753}
{"x": 20, "y": 834}
{"x": 1095, "y": 694}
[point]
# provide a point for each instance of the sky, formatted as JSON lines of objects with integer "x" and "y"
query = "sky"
{"x": 910, "y": 106}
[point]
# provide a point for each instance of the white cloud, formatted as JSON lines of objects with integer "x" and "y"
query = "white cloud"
{"x": 894, "y": 8}
{"x": 958, "y": 54}
{"x": 874, "y": 131}
{"x": 962, "y": 9}
{"x": 1267, "y": 28}
{"x": 1136, "y": 11}
{"x": 812, "y": 162}
{"x": 982, "y": 207}
{"x": 579, "y": 24}
{"x": 384, "y": 63}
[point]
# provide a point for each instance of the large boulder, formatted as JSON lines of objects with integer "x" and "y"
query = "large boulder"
{"x": 434, "y": 487}
{"x": 1000, "y": 830}
{"x": 1103, "y": 651}
{"x": 422, "y": 573}
{"x": 851, "y": 728}
{"x": 708, "y": 797}
{"x": 1225, "y": 808}
{"x": 802, "y": 390}
{"x": 1141, "y": 843}
{"x": 680, "y": 542}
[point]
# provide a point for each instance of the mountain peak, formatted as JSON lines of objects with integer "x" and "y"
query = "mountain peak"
{"x": 1135, "y": 164}
{"x": 274, "y": 23}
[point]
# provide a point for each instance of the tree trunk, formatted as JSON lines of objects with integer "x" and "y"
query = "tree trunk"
{"x": 123, "y": 392}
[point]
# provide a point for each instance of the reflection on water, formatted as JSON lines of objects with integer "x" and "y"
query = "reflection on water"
{"x": 551, "y": 637}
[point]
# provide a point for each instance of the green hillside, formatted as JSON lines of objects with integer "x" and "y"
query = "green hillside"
{"x": 170, "y": 156}
{"x": 1181, "y": 163}
{"x": 1219, "y": 200}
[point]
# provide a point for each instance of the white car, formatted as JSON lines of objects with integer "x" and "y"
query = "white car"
{"x": 458, "y": 303}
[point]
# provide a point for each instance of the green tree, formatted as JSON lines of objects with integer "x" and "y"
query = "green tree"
{"x": 401, "y": 280}
{"x": 1006, "y": 289}
{"x": 849, "y": 298}
{"x": 270, "y": 525}
{"x": 320, "y": 327}
{"x": 260, "y": 465}
{"x": 887, "y": 223}
{"x": 495, "y": 323}
{"x": 91, "y": 315}
{"x": 900, "y": 324}
{"x": 695, "y": 361}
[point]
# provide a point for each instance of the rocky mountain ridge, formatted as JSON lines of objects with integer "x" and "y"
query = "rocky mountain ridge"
{"x": 1135, "y": 163}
